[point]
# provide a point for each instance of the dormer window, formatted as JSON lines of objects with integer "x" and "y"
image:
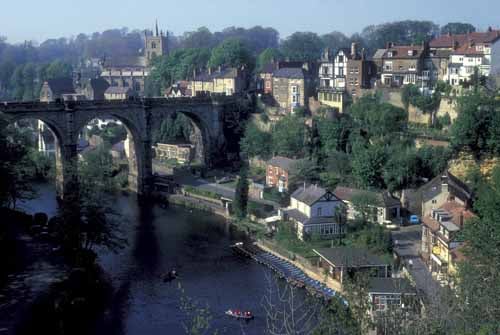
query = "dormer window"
{"x": 390, "y": 54}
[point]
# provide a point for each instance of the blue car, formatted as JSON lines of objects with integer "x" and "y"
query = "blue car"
{"x": 414, "y": 219}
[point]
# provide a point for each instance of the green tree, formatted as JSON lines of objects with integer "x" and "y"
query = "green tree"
{"x": 231, "y": 52}
{"x": 367, "y": 165}
{"x": 400, "y": 170}
{"x": 255, "y": 142}
{"x": 241, "y": 195}
{"x": 471, "y": 130}
{"x": 266, "y": 57}
{"x": 288, "y": 136}
{"x": 29, "y": 76}
{"x": 478, "y": 284}
{"x": 457, "y": 28}
{"x": 302, "y": 46}
{"x": 17, "y": 83}
{"x": 432, "y": 161}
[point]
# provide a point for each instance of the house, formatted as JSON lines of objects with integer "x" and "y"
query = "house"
{"x": 328, "y": 93}
{"x": 402, "y": 65}
{"x": 440, "y": 237}
{"x": 343, "y": 262}
{"x": 278, "y": 171}
{"x": 224, "y": 80}
{"x": 178, "y": 90}
{"x": 385, "y": 293}
{"x": 291, "y": 88}
{"x": 443, "y": 189}
{"x": 479, "y": 50}
{"x": 385, "y": 208}
{"x": 119, "y": 93}
{"x": 437, "y": 62}
{"x": 182, "y": 152}
{"x": 265, "y": 76}
{"x": 315, "y": 212}
{"x": 54, "y": 89}
{"x": 256, "y": 188}
{"x": 95, "y": 88}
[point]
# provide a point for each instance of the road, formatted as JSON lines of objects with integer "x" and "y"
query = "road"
{"x": 408, "y": 246}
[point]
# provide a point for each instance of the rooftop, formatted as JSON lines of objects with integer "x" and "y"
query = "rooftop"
{"x": 404, "y": 52}
{"x": 382, "y": 198}
{"x": 282, "y": 162}
{"x": 310, "y": 194}
{"x": 289, "y": 72}
{"x": 458, "y": 40}
{"x": 391, "y": 285}
{"x": 350, "y": 257}
{"x": 63, "y": 85}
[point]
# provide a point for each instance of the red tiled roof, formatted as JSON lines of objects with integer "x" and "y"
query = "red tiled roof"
{"x": 401, "y": 51}
{"x": 450, "y": 41}
{"x": 467, "y": 50}
{"x": 457, "y": 210}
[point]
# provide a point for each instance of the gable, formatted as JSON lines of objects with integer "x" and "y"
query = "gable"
{"x": 328, "y": 197}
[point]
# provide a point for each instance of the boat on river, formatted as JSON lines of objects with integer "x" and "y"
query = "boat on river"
{"x": 239, "y": 315}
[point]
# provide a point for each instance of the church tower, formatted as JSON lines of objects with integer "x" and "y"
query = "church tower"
{"x": 156, "y": 45}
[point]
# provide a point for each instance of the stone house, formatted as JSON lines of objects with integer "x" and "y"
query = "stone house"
{"x": 315, "y": 211}
{"x": 182, "y": 152}
{"x": 291, "y": 88}
{"x": 442, "y": 189}
{"x": 54, "y": 89}
{"x": 440, "y": 237}
{"x": 226, "y": 81}
{"x": 386, "y": 208}
{"x": 402, "y": 65}
{"x": 341, "y": 263}
{"x": 119, "y": 93}
{"x": 278, "y": 171}
{"x": 265, "y": 75}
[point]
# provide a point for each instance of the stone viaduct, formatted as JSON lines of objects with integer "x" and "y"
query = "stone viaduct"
{"x": 139, "y": 116}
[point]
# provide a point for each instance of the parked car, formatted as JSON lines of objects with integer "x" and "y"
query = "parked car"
{"x": 414, "y": 219}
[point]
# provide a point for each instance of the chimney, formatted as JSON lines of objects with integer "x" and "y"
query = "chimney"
{"x": 219, "y": 69}
{"x": 209, "y": 70}
{"x": 389, "y": 45}
{"x": 354, "y": 49}
{"x": 461, "y": 220}
{"x": 444, "y": 183}
{"x": 194, "y": 73}
{"x": 490, "y": 29}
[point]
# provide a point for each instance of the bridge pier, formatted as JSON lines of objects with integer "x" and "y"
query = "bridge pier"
{"x": 66, "y": 171}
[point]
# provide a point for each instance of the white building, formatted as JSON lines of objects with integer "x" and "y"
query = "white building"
{"x": 315, "y": 212}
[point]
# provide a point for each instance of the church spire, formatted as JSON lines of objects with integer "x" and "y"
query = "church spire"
{"x": 157, "y": 34}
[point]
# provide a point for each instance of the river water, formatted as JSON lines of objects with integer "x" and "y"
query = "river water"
{"x": 193, "y": 242}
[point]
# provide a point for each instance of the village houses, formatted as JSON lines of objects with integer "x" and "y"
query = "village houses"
{"x": 278, "y": 171}
{"x": 223, "y": 80}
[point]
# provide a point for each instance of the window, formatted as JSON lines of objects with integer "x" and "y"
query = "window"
{"x": 319, "y": 211}
{"x": 294, "y": 89}
{"x": 294, "y": 98}
{"x": 388, "y": 66}
{"x": 327, "y": 82}
{"x": 268, "y": 84}
{"x": 341, "y": 71}
{"x": 153, "y": 45}
{"x": 341, "y": 59}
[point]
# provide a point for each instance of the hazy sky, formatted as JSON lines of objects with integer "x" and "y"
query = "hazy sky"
{"x": 39, "y": 20}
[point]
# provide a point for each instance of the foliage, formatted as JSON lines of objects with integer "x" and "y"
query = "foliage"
{"x": 457, "y": 28}
{"x": 432, "y": 161}
{"x": 241, "y": 195}
{"x": 255, "y": 142}
{"x": 176, "y": 127}
{"x": 199, "y": 318}
{"x": 334, "y": 134}
{"x": 475, "y": 128}
{"x": 302, "y": 46}
{"x": 367, "y": 164}
{"x": 232, "y": 52}
{"x": 335, "y": 40}
{"x": 203, "y": 193}
{"x": 96, "y": 170}
{"x": 304, "y": 170}
{"x": 427, "y": 103}
{"x": 288, "y": 136}
{"x": 15, "y": 167}
{"x": 400, "y": 170}
{"x": 378, "y": 119}
{"x": 365, "y": 206}
{"x": 479, "y": 286}
{"x": 267, "y": 56}
{"x": 356, "y": 292}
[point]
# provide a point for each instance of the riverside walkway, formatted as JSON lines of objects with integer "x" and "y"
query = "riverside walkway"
{"x": 288, "y": 271}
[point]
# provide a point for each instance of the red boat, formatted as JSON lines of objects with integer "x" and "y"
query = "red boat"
{"x": 239, "y": 314}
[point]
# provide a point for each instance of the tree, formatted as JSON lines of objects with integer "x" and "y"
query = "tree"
{"x": 335, "y": 40}
{"x": 400, "y": 170}
{"x": 431, "y": 161}
{"x": 367, "y": 165}
{"x": 356, "y": 292}
{"x": 255, "y": 142}
{"x": 455, "y": 28}
{"x": 334, "y": 134}
{"x": 478, "y": 284}
{"x": 302, "y": 46}
{"x": 241, "y": 195}
{"x": 471, "y": 130}
{"x": 267, "y": 56}
{"x": 29, "y": 76}
{"x": 201, "y": 38}
{"x": 288, "y": 136}
{"x": 232, "y": 52}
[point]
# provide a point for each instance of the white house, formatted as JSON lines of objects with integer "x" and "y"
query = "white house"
{"x": 315, "y": 212}
{"x": 340, "y": 68}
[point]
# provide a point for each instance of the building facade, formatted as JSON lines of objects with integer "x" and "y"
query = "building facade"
{"x": 315, "y": 212}
{"x": 228, "y": 81}
{"x": 182, "y": 152}
{"x": 54, "y": 89}
{"x": 403, "y": 65}
{"x": 278, "y": 171}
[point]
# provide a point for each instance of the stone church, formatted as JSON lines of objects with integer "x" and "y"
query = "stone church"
{"x": 131, "y": 72}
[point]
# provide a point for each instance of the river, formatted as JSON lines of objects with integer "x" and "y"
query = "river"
{"x": 197, "y": 245}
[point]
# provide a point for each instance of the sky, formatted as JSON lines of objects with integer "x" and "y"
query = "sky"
{"x": 40, "y": 20}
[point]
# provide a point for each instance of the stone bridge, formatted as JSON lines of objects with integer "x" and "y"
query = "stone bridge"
{"x": 139, "y": 116}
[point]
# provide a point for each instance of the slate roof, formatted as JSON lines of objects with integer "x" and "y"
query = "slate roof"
{"x": 379, "y": 54}
{"x": 309, "y": 195}
{"x": 455, "y": 186}
{"x": 391, "y": 286}
{"x": 467, "y": 51}
{"x": 383, "y": 198}
{"x": 289, "y": 72}
{"x": 350, "y": 257}
{"x": 118, "y": 90}
{"x": 401, "y": 52}
{"x": 60, "y": 86}
{"x": 282, "y": 162}
{"x": 451, "y": 41}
